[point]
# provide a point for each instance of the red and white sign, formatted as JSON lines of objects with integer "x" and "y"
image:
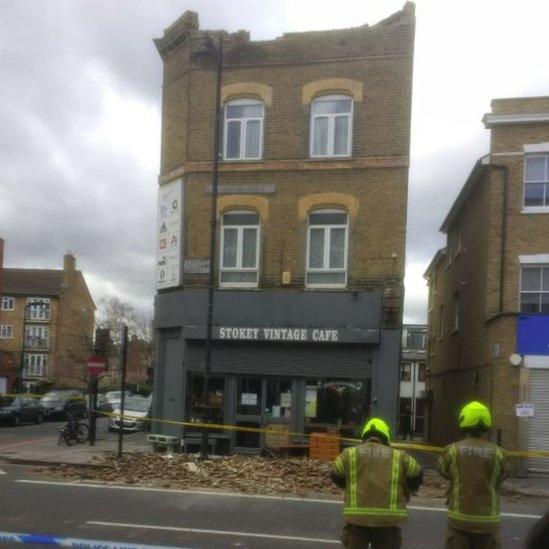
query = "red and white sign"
{"x": 96, "y": 365}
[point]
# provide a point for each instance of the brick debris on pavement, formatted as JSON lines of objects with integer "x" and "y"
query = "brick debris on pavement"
{"x": 300, "y": 477}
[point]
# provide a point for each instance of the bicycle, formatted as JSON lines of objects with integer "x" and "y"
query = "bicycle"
{"x": 74, "y": 432}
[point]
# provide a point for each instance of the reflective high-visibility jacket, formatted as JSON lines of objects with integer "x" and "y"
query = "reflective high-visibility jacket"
{"x": 375, "y": 483}
{"x": 475, "y": 468}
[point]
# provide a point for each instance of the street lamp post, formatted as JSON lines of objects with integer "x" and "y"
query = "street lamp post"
{"x": 216, "y": 52}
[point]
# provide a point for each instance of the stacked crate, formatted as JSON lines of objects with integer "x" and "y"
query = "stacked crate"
{"x": 324, "y": 446}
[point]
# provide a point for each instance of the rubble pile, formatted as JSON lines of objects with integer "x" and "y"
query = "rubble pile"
{"x": 250, "y": 475}
{"x": 236, "y": 473}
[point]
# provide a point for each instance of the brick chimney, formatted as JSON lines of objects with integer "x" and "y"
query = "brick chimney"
{"x": 69, "y": 267}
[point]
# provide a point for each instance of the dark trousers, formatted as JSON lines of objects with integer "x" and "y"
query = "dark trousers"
{"x": 460, "y": 539}
{"x": 358, "y": 537}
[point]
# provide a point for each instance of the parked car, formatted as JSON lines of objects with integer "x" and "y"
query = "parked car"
{"x": 103, "y": 404}
{"x": 57, "y": 404}
{"x": 16, "y": 410}
{"x": 135, "y": 409}
{"x": 114, "y": 397}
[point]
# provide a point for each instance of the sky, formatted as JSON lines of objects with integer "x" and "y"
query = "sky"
{"x": 80, "y": 103}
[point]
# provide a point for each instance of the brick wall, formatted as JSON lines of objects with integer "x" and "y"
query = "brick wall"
{"x": 371, "y": 64}
{"x": 475, "y": 362}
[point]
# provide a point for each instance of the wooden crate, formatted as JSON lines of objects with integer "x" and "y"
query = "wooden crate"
{"x": 279, "y": 435}
{"x": 324, "y": 446}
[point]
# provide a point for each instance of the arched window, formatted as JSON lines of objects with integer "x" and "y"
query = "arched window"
{"x": 331, "y": 126}
{"x": 327, "y": 243}
{"x": 243, "y": 131}
{"x": 239, "y": 250}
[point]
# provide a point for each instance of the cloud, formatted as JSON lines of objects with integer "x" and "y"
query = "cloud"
{"x": 80, "y": 115}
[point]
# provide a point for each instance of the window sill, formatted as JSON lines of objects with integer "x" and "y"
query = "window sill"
{"x": 237, "y": 287}
{"x": 312, "y": 288}
{"x": 241, "y": 160}
{"x": 329, "y": 158}
{"x": 535, "y": 210}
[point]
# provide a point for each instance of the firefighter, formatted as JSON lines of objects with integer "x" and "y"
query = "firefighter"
{"x": 378, "y": 481}
{"x": 475, "y": 468}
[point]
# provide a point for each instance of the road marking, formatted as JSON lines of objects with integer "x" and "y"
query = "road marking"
{"x": 3, "y": 472}
{"x": 215, "y": 532}
{"x": 78, "y": 484}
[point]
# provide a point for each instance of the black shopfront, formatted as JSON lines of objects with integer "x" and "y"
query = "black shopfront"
{"x": 301, "y": 362}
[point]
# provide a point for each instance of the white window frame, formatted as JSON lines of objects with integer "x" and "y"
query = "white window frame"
{"x": 39, "y": 368}
{"x": 326, "y": 256}
{"x": 535, "y": 209}
{"x": 239, "y": 251}
{"x": 29, "y": 333}
{"x": 331, "y": 126}
{"x": 36, "y": 314}
{"x": 243, "y": 124}
{"x": 6, "y": 331}
{"x": 528, "y": 264}
{"x": 8, "y": 303}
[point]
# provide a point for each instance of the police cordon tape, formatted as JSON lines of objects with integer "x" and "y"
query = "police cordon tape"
{"x": 44, "y": 539}
{"x": 277, "y": 432}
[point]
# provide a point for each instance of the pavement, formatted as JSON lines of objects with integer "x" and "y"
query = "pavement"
{"x": 200, "y": 520}
{"x": 38, "y": 445}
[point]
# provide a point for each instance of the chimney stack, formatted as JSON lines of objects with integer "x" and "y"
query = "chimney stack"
{"x": 69, "y": 267}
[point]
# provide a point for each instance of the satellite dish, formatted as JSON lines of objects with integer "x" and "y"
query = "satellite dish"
{"x": 515, "y": 359}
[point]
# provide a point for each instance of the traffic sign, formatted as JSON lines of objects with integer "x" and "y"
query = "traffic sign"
{"x": 96, "y": 365}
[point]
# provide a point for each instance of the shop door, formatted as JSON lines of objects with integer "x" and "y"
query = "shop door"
{"x": 538, "y": 426}
{"x": 249, "y": 406}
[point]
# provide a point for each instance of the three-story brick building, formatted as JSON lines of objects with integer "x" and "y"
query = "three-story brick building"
{"x": 46, "y": 326}
{"x": 489, "y": 287}
{"x": 311, "y": 226}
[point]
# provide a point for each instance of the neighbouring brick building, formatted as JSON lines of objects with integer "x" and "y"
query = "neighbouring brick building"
{"x": 311, "y": 225}
{"x": 412, "y": 378}
{"x": 46, "y": 325}
{"x": 489, "y": 287}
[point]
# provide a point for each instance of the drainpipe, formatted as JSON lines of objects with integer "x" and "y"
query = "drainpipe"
{"x": 503, "y": 236}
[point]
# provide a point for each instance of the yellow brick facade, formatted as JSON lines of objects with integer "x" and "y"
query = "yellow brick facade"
{"x": 473, "y": 361}
{"x": 373, "y": 66}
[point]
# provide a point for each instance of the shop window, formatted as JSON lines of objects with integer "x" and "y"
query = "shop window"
{"x": 327, "y": 249}
{"x": 249, "y": 396}
{"x": 216, "y": 398}
{"x": 331, "y": 126}
{"x": 534, "y": 289}
{"x": 243, "y": 135}
{"x": 239, "y": 249}
{"x": 335, "y": 402}
{"x": 279, "y": 399}
{"x": 406, "y": 372}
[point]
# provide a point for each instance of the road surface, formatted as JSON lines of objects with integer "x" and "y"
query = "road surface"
{"x": 33, "y": 503}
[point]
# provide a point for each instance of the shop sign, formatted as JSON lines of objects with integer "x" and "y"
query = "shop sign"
{"x": 315, "y": 335}
{"x": 169, "y": 235}
{"x": 196, "y": 266}
{"x": 524, "y": 410}
{"x": 248, "y": 399}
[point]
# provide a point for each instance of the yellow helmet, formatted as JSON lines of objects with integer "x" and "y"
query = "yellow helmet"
{"x": 376, "y": 426}
{"x": 475, "y": 415}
